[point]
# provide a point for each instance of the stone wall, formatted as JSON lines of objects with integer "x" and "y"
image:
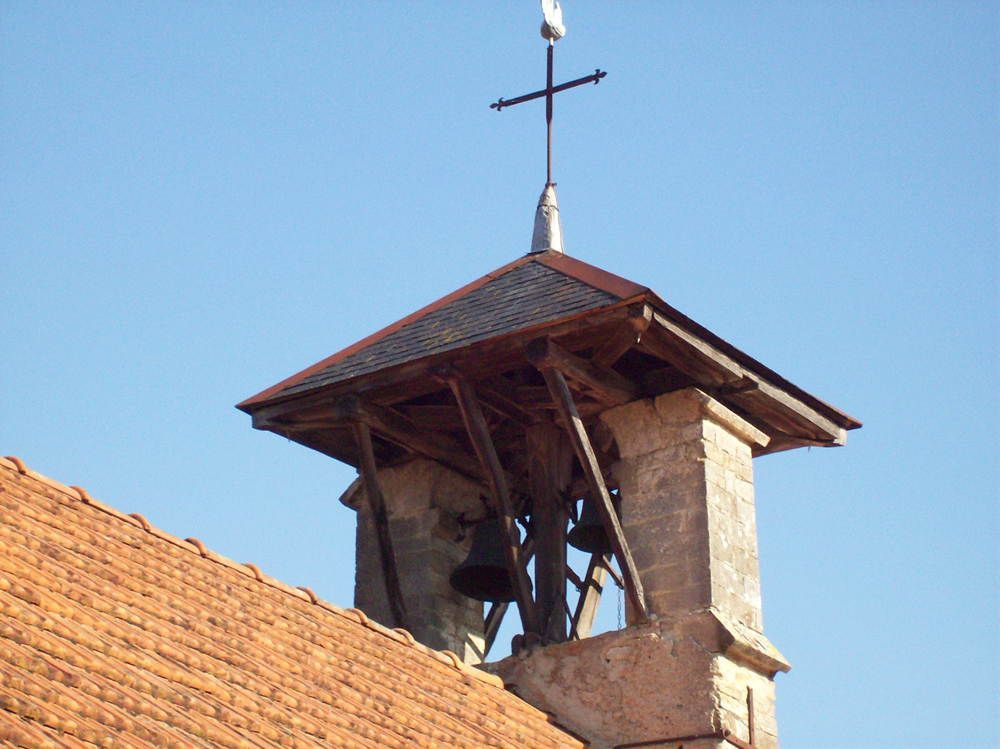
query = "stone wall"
{"x": 424, "y": 501}
{"x": 672, "y": 678}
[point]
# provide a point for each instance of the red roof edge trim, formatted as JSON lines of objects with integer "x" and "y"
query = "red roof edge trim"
{"x": 364, "y": 342}
{"x": 592, "y": 275}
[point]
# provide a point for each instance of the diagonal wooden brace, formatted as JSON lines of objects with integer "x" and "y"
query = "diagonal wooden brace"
{"x": 381, "y": 518}
{"x": 595, "y": 480}
{"x": 479, "y": 435}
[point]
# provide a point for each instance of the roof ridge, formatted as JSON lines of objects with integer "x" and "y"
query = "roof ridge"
{"x": 195, "y": 546}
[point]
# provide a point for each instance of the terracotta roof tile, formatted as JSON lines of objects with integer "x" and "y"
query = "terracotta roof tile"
{"x": 112, "y": 635}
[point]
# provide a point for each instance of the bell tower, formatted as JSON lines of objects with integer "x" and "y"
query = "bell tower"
{"x": 550, "y": 403}
{"x": 550, "y": 390}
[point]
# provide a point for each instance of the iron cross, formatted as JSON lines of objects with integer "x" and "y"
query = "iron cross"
{"x": 548, "y": 92}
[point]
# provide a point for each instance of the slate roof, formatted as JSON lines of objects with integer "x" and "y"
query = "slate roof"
{"x": 116, "y": 634}
{"x": 529, "y": 295}
{"x": 531, "y": 291}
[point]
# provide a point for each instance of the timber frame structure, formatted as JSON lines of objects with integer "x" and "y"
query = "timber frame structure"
{"x": 488, "y": 380}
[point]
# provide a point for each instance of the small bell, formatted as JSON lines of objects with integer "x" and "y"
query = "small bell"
{"x": 483, "y": 575}
{"x": 588, "y": 534}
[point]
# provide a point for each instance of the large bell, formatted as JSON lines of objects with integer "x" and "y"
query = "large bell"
{"x": 483, "y": 575}
{"x": 588, "y": 534}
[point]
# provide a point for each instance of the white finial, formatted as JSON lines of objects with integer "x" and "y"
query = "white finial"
{"x": 548, "y": 231}
{"x": 552, "y": 24}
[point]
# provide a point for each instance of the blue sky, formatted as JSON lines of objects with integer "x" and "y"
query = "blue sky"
{"x": 200, "y": 199}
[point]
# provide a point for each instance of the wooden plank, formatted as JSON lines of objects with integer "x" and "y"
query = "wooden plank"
{"x": 479, "y": 434}
{"x": 585, "y": 453}
{"x": 609, "y": 386}
{"x": 550, "y": 469}
{"x": 623, "y": 339}
{"x": 590, "y": 597}
{"x": 380, "y": 516}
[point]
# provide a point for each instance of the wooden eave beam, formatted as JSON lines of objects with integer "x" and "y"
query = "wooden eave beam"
{"x": 609, "y": 386}
{"x": 787, "y": 413}
{"x": 624, "y": 338}
{"x": 722, "y": 376}
{"x": 479, "y": 434}
{"x": 592, "y": 470}
{"x": 398, "y": 428}
{"x": 380, "y": 516}
{"x": 694, "y": 357}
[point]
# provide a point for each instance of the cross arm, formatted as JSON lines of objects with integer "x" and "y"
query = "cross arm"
{"x": 594, "y": 78}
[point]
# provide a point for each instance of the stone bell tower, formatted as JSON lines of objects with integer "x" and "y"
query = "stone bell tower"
{"x": 544, "y": 383}
{"x": 480, "y": 422}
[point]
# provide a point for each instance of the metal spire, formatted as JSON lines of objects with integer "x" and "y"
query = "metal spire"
{"x": 548, "y": 232}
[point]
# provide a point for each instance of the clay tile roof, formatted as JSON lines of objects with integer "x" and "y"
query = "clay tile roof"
{"x": 116, "y": 634}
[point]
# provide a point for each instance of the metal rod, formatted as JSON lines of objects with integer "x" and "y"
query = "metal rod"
{"x": 548, "y": 118}
{"x": 750, "y": 726}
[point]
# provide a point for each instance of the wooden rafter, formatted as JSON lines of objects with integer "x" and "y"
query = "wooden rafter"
{"x": 380, "y": 517}
{"x": 609, "y": 386}
{"x": 479, "y": 434}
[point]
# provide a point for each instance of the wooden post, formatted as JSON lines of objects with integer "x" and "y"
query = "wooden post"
{"x": 479, "y": 435}
{"x": 590, "y": 596}
{"x": 585, "y": 452}
{"x": 550, "y": 467}
{"x": 381, "y": 518}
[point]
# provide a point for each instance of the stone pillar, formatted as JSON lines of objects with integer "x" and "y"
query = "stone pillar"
{"x": 423, "y": 500}
{"x": 687, "y": 503}
{"x": 686, "y": 484}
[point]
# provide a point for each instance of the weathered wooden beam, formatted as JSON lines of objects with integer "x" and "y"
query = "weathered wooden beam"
{"x": 611, "y": 571}
{"x": 574, "y": 578}
{"x": 590, "y": 597}
{"x": 787, "y": 413}
{"x": 394, "y": 426}
{"x": 479, "y": 435}
{"x": 705, "y": 364}
{"x": 492, "y": 625}
{"x": 609, "y": 386}
{"x": 592, "y": 470}
{"x": 435, "y": 418}
{"x": 550, "y": 469}
{"x": 623, "y": 339}
{"x": 499, "y": 395}
{"x": 380, "y": 516}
